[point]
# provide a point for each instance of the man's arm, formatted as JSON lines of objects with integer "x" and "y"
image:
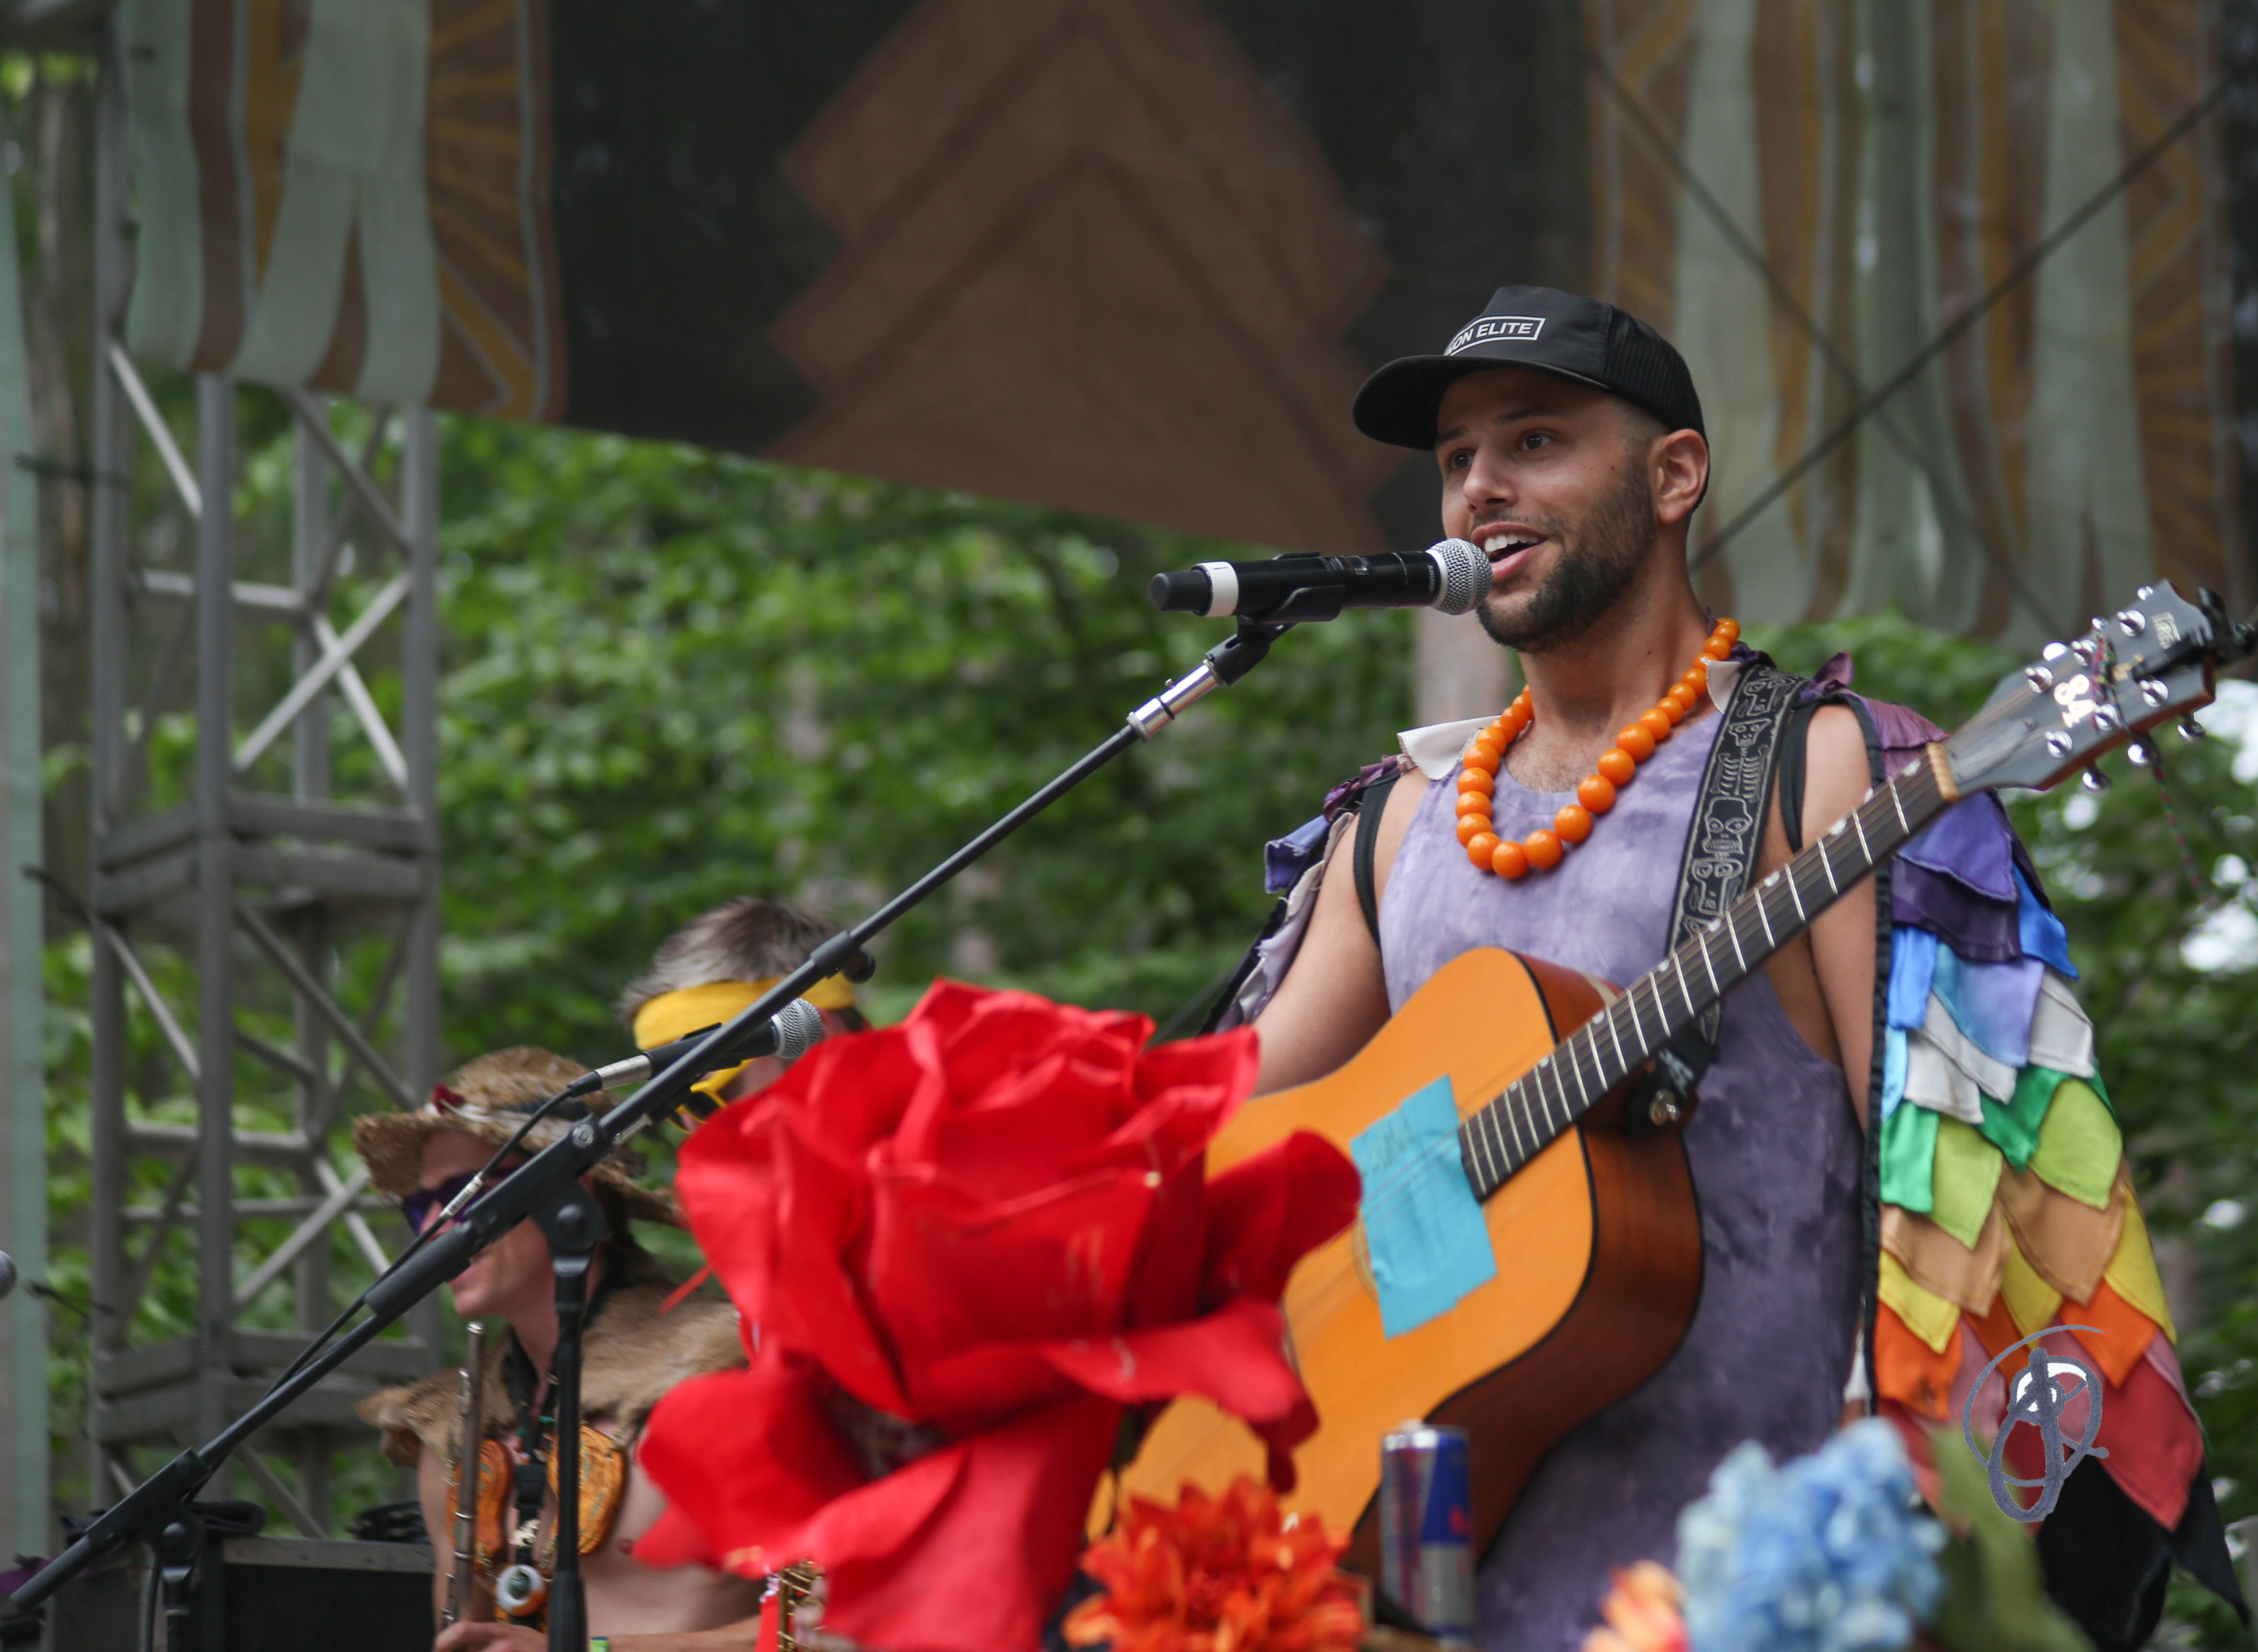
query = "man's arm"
{"x": 1333, "y": 998}
{"x": 1826, "y": 979}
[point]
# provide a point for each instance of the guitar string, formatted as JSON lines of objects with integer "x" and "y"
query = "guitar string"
{"x": 1673, "y": 962}
{"x": 1395, "y": 1187}
{"x": 1914, "y": 783}
{"x": 1322, "y": 1297}
{"x": 1517, "y": 1110}
{"x": 1317, "y": 1304}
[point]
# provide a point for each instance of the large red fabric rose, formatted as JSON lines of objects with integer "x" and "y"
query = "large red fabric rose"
{"x": 991, "y": 1227}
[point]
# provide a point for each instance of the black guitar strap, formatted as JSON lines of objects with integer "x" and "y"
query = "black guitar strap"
{"x": 1725, "y": 834}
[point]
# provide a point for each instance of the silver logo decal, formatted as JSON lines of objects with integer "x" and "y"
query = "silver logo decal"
{"x": 1483, "y": 329}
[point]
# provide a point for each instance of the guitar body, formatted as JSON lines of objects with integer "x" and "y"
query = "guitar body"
{"x": 1599, "y": 1256}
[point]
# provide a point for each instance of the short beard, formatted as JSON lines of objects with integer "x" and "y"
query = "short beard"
{"x": 1588, "y": 576}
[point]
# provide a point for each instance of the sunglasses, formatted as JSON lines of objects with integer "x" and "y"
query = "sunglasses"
{"x": 422, "y": 1205}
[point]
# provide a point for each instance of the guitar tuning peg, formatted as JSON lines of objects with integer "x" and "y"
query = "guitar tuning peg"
{"x": 2154, "y": 691}
{"x": 2038, "y": 677}
{"x": 2132, "y": 622}
{"x": 2053, "y": 651}
{"x": 2094, "y": 781}
{"x": 2190, "y": 729}
{"x": 2139, "y": 754}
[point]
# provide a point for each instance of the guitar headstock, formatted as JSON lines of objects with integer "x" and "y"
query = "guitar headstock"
{"x": 2149, "y": 663}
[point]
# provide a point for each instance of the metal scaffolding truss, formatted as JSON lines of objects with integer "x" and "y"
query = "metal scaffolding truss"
{"x": 265, "y": 891}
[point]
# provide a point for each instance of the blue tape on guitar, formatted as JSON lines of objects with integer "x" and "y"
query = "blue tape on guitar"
{"x": 1423, "y": 1225}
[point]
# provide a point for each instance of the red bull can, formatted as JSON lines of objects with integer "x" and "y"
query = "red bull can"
{"x": 1427, "y": 1527}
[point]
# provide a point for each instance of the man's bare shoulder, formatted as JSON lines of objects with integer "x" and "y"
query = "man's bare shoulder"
{"x": 1837, "y": 747}
{"x": 1836, "y": 776}
{"x": 1395, "y": 822}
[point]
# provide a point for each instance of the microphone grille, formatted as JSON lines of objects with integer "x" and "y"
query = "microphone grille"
{"x": 799, "y": 1029}
{"x": 1466, "y": 574}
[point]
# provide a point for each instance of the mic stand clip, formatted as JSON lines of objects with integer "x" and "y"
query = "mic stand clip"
{"x": 1222, "y": 665}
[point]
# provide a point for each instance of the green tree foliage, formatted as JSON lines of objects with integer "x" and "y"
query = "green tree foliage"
{"x": 675, "y": 676}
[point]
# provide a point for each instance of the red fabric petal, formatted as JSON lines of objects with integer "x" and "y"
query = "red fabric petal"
{"x": 993, "y": 1221}
{"x": 2156, "y": 1449}
{"x": 1266, "y": 1214}
{"x": 2167, "y": 1361}
{"x": 2153, "y": 1443}
{"x": 990, "y": 1041}
{"x": 745, "y": 1458}
{"x": 675, "y": 1539}
{"x": 994, "y": 1553}
{"x": 1235, "y": 1357}
{"x": 1188, "y": 1089}
{"x": 947, "y": 1272}
{"x": 2147, "y": 1428}
{"x": 775, "y": 1215}
{"x": 1008, "y": 1145}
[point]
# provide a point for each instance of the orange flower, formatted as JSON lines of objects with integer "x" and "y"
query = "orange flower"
{"x": 1218, "y": 1574}
{"x": 1642, "y": 1612}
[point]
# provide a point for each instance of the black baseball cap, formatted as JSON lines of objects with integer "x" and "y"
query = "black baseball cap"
{"x": 1540, "y": 327}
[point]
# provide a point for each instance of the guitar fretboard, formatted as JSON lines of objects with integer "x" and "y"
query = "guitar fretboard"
{"x": 1584, "y": 1067}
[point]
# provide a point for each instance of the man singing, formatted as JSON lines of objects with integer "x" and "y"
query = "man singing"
{"x": 1568, "y": 439}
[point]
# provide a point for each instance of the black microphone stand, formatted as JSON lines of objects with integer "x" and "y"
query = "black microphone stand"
{"x": 547, "y": 1183}
{"x": 573, "y": 1222}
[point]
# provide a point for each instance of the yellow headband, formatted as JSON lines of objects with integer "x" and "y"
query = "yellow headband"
{"x": 671, "y": 1015}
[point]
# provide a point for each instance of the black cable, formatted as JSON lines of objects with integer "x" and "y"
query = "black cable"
{"x": 2024, "y": 268}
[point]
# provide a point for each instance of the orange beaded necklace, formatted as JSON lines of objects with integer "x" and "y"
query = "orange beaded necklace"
{"x": 1596, "y": 795}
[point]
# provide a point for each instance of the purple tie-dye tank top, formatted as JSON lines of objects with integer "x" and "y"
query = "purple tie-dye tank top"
{"x": 1775, "y": 1154}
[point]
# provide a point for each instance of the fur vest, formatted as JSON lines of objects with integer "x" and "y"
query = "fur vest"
{"x": 632, "y": 1356}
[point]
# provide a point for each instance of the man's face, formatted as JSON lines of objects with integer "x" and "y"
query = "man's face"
{"x": 510, "y": 1273}
{"x": 1552, "y": 479}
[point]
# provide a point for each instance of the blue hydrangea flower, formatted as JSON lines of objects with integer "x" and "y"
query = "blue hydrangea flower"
{"x": 1829, "y": 1554}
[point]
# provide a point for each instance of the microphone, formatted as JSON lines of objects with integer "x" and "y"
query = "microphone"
{"x": 1451, "y": 576}
{"x": 793, "y": 1031}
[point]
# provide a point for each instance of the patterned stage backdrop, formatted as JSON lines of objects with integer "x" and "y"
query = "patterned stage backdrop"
{"x": 1133, "y": 256}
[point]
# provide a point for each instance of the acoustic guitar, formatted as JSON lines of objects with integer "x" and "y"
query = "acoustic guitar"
{"x": 1590, "y": 1211}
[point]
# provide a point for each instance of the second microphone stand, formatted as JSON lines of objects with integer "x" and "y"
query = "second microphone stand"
{"x": 548, "y": 1188}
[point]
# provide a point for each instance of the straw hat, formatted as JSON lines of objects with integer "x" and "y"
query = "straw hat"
{"x": 487, "y": 1098}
